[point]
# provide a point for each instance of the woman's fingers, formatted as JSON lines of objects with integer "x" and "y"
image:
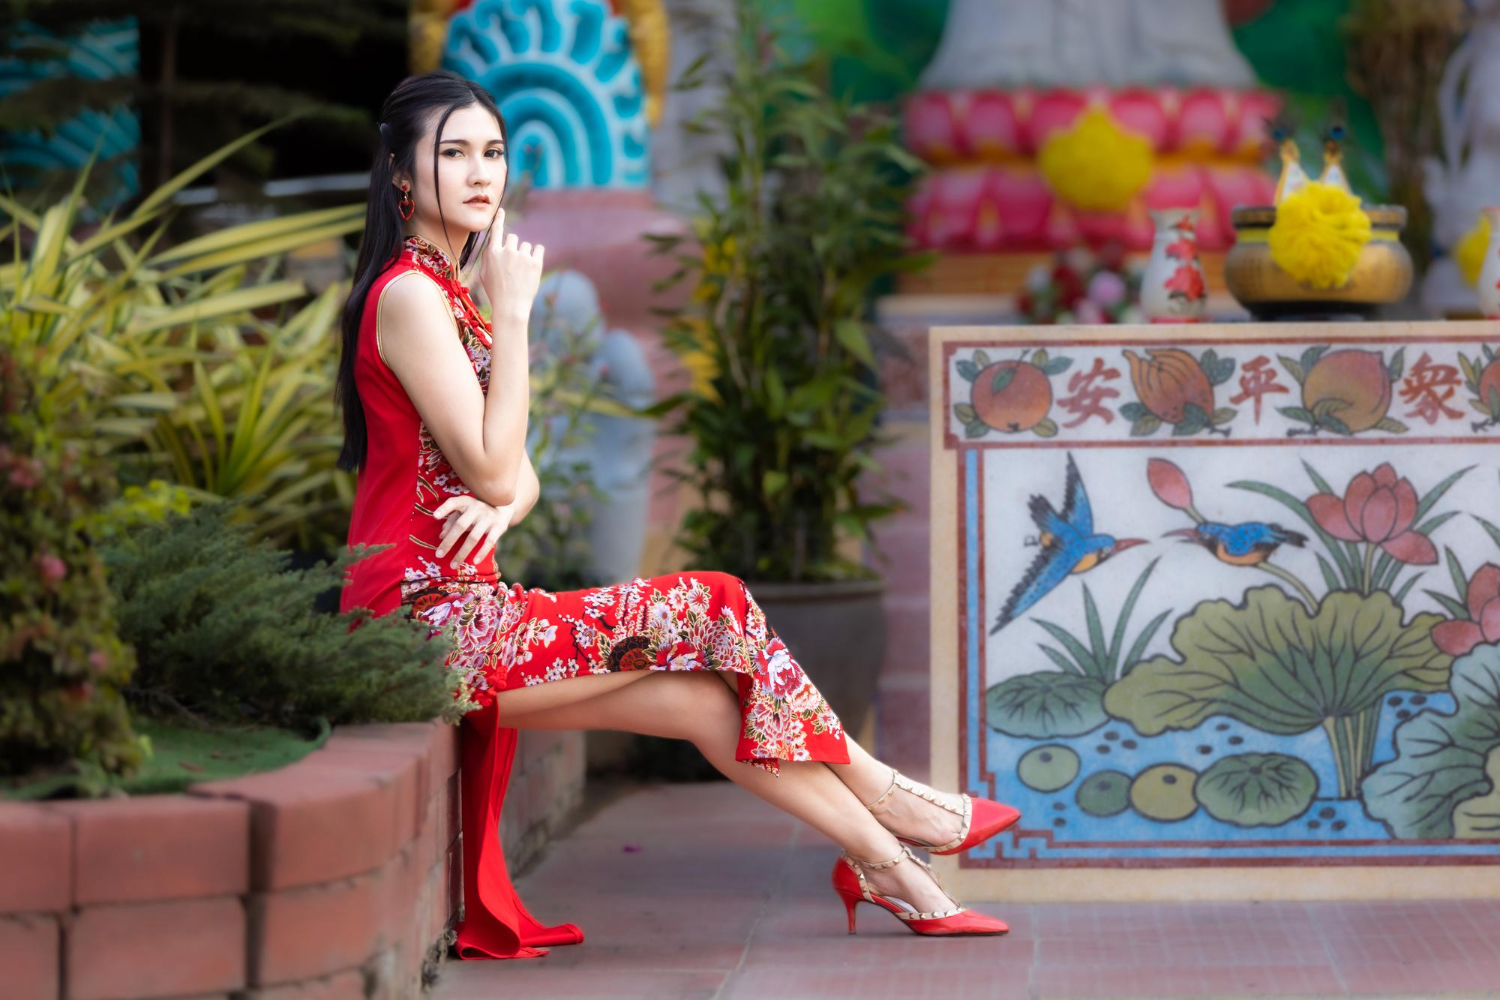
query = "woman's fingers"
{"x": 472, "y": 540}
{"x": 490, "y": 541}
{"x": 463, "y": 523}
{"x": 453, "y": 503}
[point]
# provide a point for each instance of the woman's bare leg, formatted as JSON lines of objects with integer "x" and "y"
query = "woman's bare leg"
{"x": 695, "y": 706}
{"x": 901, "y": 812}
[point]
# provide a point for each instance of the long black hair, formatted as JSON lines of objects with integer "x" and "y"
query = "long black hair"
{"x": 403, "y": 119}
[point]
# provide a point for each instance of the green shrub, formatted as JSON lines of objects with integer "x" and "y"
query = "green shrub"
{"x": 62, "y": 664}
{"x": 224, "y": 631}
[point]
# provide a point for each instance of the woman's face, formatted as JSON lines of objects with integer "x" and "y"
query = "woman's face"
{"x": 470, "y": 174}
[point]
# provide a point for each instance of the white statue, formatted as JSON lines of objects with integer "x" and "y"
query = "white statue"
{"x": 1073, "y": 43}
{"x": 1468, "y": 177}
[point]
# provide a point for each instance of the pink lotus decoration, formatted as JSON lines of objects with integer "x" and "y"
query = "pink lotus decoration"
{"x": 1378, "y": 508}
{"x": 986, "y": 193}
{"x": 1483, "y": 600}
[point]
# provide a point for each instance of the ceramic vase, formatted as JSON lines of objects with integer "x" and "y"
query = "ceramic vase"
{"x": 1489, "y": 271}
{"x": 1172, "y": 287}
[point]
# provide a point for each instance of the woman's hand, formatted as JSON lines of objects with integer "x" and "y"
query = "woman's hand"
{"x": 468, "y": 515}
{"x": 512, "y": 273}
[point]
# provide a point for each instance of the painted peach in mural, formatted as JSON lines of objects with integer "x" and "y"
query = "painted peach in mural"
{"x": 1482, "y": 378}
{"x": 1345, "y": 391}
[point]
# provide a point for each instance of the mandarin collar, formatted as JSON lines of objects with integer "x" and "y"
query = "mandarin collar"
{"x": 432, "y": 256}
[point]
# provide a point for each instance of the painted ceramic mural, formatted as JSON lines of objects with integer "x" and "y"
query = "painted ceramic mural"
{"x": 1230, "y": 601}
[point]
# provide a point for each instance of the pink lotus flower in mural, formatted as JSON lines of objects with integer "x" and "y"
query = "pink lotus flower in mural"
{"x": 1377, "y": 508}
{"x": 1169, "y": 483}
{"x": 1458, "y": 637}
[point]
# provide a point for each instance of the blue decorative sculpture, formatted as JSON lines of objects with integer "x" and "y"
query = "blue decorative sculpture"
{"x": 106, "y": 50}
{"x": 566, "y": 81}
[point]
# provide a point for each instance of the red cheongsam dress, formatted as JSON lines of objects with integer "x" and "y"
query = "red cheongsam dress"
{"x": 508, "y": 636}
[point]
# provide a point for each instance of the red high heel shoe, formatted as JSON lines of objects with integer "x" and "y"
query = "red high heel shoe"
{"x": 983, "y": 818}
{"x": 849, "y": 882}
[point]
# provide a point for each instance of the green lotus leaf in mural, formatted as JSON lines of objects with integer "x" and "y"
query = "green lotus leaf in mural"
{"x": 1479, "y": 818}
{"x": 1269, "y": 664}
{"x": 1440, "y": 758}
{"x": 1257, "y": 789}
{"x": 1046, "y": 703}
{"x": 1104, "y": 793}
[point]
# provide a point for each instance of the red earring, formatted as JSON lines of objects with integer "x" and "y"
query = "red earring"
{"x": 406, "y": 206}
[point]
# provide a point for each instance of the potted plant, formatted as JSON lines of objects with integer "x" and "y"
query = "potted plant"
{"x": 783, "y": 408}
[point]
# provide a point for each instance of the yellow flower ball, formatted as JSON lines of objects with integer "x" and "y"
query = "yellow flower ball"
{"x": 1096, "y": 165}
{"x": 1318, "y": 234}
{"x": 1469, "y": 253}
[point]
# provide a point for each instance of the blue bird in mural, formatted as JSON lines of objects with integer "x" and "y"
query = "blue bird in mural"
{"x": 1248, "y": 544}
{"x": 1068, "y": 543}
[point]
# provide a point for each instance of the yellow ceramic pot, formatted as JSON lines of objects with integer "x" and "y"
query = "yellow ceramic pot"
{"x": 1382, "y": 274}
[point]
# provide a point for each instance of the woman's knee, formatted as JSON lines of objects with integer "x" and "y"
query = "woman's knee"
{"x": 700, "y": 703}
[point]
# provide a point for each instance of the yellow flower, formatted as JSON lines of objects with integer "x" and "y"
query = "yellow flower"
{"x": 1318, "y": 235}
{"x": 1096, "y": 165}
{"x": 699, "y": 360}
{"x": 1469, "y": 252}
{"x": 717, "y": 259}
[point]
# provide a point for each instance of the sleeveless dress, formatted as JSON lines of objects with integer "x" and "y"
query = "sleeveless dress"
{"x": 505, "y": 637}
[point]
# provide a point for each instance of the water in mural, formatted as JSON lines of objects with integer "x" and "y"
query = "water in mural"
{"x": 567, "y": 83}
{"x": 1228, "y": 598}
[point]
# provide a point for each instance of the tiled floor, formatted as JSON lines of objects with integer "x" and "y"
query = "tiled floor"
{"x": 727, "y": 898}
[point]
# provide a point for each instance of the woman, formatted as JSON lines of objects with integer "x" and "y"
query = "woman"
{"x": 435, "y": 408}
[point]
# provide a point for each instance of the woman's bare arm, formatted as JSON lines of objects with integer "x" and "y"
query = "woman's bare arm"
{"x": 481, "y": 435}
{"x": 528, "y": 490}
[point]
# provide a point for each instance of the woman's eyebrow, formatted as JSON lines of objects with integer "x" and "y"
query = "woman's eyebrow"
{"x": 465, "y": 142}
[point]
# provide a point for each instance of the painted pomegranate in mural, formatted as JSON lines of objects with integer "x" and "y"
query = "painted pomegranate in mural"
{"x": 1170, "y": 382}
{"x": 1009, "y": 396}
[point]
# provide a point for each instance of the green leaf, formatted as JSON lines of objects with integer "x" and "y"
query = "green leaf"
{"x": 1310, "y": 357}
{"x": 773, "y": 482}
{"x": 1097, "y": 645}
{"x": 1479, "y": 818}
{"x": 1061, "y": 660}
{"x": 1454, "y": 608}
{"x": 1456, "y": 574}
{"x": 968, "y": 370}
{"x": 1327, "y": 405}
{"x": 1471, "y": 376}
{"x": 1256, "y": 789}
{"x": 1045, "y": 428}
{"x": 851, "y": 334}
{"x": 1085, "y": 657}
{"x": 1398, "y": 364}
{"x": 1002, "y": 378}
{"x": 1330, "y": 580}
{"x": 1440, "y": 761}
{"x": 1297, "y": 413}
{"x": 1493, "y": 399}
{"x": 1336, "y": 425}
{"x": 1271, "y": 665}
{"x": 1293, "y": 369}
{"x": 1193, "y": 420}
{"x": 1489, "y": 529}
{"x": 1391, "y": 426}
{"x": 976, "y": 429}
{"x": 1126, "y": 609}
{"x": 1133, "y": 655}
{"x": 981, "y": 360}
{"x": 1056, "y": 366}
{"x": 1045, "y": 704}
{"x": 965, "y": 413}
{"x": 1406, "y": 588}
{"x": 1223, "y": 415}
{"x": 1145, "y": 426}
{"x": 1039, "y": 357}
{"x": 1132, "y": 411}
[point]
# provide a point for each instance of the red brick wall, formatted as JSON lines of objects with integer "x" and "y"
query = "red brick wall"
{"x": 337, "y": 875}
